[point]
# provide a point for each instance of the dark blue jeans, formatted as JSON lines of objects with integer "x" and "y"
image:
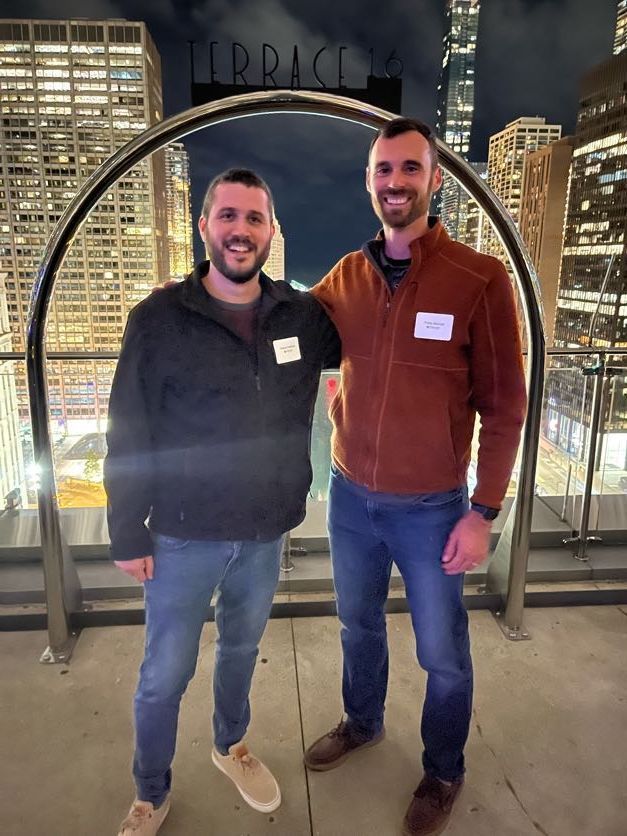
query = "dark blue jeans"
{"x": 368, "y": 531}
{"x": 244, "y": 575}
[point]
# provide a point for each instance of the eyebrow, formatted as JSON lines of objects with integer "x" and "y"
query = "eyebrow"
{"x": 404, "y": 162}
{"x": 236, "y": 209}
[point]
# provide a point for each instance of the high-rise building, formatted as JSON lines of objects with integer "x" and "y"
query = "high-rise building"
{"x": 11, "y": 457}
{"x": 596, "y": 217}
{"x": 542, "y": 211}
{"x": 456, "y": 86}
{"x": 471, "y": 216}
{"x": 71, "y": 93}
{"x": 592, "y": 294}
{"x": 620, "y": 39}
{"x": 456, "y": 97}
{"x": 178, "y": 191}
{"x": 275, "y": 265}
{"x": 506, "y": 157}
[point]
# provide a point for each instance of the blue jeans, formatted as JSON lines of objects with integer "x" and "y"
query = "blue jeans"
{"x": 367, "y": 532}
{"x": 186, "y": 573}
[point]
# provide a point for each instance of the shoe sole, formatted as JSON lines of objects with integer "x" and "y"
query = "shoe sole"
{"x": 325, "y": 767}
{"x": 270, "y": 807}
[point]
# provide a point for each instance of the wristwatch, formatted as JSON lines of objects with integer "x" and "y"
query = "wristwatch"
{"x": 488, "y": 514}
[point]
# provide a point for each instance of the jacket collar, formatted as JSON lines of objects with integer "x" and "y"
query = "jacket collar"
{"x": 421, "y": 248}
{"x": 195, "y": 296}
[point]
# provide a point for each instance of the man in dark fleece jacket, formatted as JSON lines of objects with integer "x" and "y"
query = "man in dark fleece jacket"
{"x": 429, "y": 339}
{"x": 208, "y": 439}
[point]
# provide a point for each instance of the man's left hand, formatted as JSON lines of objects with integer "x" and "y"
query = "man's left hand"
{"x": 467, "y": 545}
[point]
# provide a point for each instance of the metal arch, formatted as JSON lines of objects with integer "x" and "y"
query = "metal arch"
{"x": 60, "y": 576}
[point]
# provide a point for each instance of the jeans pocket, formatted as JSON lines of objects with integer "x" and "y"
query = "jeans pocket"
{"x": 442, "y": 499}
{"x": 171, "y": 544}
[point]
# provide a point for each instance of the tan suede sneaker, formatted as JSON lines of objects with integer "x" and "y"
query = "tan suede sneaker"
{"x": 254, "y": 781}
{"x": 143, "y": 819}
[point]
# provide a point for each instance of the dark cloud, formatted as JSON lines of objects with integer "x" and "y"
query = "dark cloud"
{"x": 530, "y": 58}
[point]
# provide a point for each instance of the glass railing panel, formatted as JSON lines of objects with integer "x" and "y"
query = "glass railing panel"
{"x": 608, "y": 513}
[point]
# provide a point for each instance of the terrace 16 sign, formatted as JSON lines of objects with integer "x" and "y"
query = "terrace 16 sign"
{"x": 383, "y": 91}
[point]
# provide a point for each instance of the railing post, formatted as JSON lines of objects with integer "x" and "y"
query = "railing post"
{"x": 286, "y": 553}
{"x": 62, "y": 586}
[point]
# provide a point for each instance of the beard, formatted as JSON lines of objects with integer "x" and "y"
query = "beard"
{"x": 399, "y": 217}
{"x": 238, "y": 274}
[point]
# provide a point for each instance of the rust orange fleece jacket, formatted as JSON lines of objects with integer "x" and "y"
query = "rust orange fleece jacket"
{"x": 404, "y": 414}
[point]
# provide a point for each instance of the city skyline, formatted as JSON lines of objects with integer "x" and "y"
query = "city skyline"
{"x": 89, "y": 95}
{"x": 332, "y": 154}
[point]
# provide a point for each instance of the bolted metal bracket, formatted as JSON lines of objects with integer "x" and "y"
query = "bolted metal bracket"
{"x": 580, "y": 552}
{"x": 61, "y": 656}
{"x": 513, "y": 634}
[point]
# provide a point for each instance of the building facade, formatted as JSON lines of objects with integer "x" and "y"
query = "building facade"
{"x": 11, "y": 456}
{"x": 471, "y": 217}
{"x": 275, "y": 265}
{"x": 620, "y": 38}
{"x": 180, "y": 226}
{"x": 71, "y": 93}
{"x": 456, "y": 97}
{"x": 592, "y": 293}
{"x": 507, "y": 150}
{"x": 542, "y": 211}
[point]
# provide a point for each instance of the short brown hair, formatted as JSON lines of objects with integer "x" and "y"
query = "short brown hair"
{"x": 237, "y": 175}
{"x": 402, "y": 125}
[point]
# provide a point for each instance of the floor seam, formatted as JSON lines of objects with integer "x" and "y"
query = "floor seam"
{"x": 508, "y": 782}
{"x": 302, "y": 730}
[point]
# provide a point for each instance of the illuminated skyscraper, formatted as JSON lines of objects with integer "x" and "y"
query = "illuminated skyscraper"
{"x": 506, "y": 157}
{"x": 71, "y": 93}
{"x": 471, "y": 218}
{"x": 456, "y": 97}
{"x": 178, "y": 189}
{"x": 596, "y": 218}
{"x": 592, "y": 294}
{"x": 275, "y": 265}
{"x": 11, "y": 458}
{"x": 542, "y": 211}
{"x": 620, "y": 39}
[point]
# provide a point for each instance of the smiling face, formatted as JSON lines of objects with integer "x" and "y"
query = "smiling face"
{"x": 237, "y": 231}
{"x": 401, "y": 178}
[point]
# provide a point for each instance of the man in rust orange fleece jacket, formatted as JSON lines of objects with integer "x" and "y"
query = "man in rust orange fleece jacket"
{"x": 430, "y": 338}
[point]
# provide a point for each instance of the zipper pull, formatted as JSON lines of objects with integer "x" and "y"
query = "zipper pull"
{"x": 258, "y": 382}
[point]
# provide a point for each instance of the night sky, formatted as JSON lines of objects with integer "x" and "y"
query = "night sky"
{"x": 531, "y": 55}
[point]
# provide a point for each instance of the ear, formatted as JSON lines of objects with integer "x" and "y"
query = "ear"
{"x": 436, "y": 179}
{"x": 202, "y": 226}
{"x": 368, "y": 179}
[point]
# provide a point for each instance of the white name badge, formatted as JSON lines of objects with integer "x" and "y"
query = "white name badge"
{"x": 286, "y": 350}
{"x": 434, "y": 326}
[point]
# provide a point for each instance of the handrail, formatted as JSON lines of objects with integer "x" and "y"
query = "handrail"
{"x": 113, "y": 355}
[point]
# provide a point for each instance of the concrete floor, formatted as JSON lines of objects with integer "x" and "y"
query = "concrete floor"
{"x": 547, "y": 751}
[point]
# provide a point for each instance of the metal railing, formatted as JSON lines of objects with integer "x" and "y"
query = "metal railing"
{"x": 507, "y": 573}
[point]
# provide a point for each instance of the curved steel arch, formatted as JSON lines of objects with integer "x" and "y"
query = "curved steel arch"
{"x": 507, "y": 572}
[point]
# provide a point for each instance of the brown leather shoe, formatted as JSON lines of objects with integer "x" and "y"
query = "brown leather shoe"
{"x": 430, "y": 808}
{"x": 333, "y": 748}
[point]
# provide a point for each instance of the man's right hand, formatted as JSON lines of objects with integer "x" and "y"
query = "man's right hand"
{"x": 140, "y": 568}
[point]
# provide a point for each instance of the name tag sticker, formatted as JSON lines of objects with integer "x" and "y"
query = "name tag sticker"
{"x": 434, "y": 326}
{"x": 286, "y": 350}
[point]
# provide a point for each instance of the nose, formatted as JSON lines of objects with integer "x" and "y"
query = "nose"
{"x": 241, "y": 229}
{"x": 396, "y": 180}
